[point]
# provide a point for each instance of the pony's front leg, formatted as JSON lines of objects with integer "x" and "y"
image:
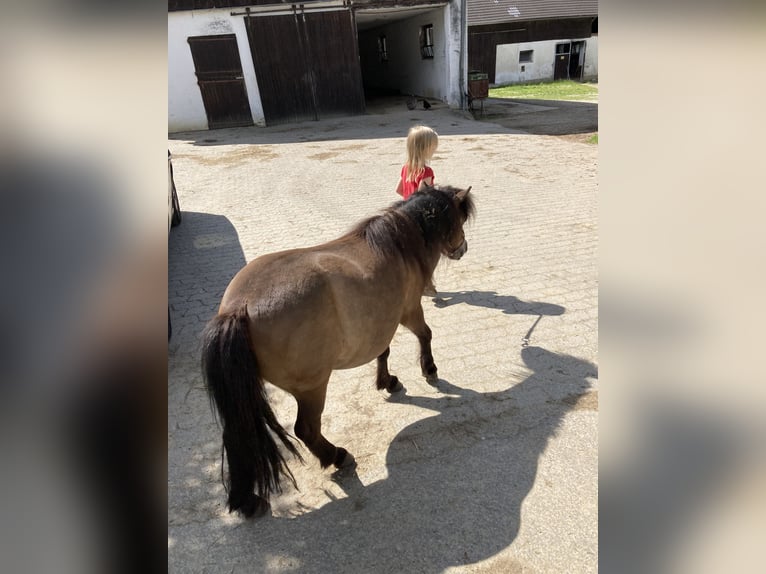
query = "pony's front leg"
{"x": 386, "y": 380}
{"x": 415, "y": 322}
{"x": 308, "y": 428}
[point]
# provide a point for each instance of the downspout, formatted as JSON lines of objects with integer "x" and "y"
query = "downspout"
{"x": 463, "y": 48}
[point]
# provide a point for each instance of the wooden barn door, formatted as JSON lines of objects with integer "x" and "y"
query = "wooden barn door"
{"x": 307, "y": 65}
{"x": 221, "y": 83}
{"x": 334, "y": 53}
{"x": 576, "y": 60}
{"x": 561, "y": 67}
{"x": 283, "y": 73}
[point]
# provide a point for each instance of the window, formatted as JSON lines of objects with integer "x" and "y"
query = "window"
{"x": 427, "y": 41}
{"x": 525, "y": 56}
{"x": 382, "y": 49}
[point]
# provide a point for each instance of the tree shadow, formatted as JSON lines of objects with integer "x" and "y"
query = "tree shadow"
{"x": 509, "y": 304}
{"x": 389, "y": 120}
{"x": 541, "y": 117}
{"x": 455, "y": 487}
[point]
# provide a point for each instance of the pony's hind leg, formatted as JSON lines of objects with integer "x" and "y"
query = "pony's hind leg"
{"x": 415, "y": 322}
{"x": 308, "y": 428}
{"x": 386, "y": 380}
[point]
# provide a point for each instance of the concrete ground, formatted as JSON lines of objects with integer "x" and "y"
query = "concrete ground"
{"x": 495, "y": 470}
{"x": 570, "y": 119}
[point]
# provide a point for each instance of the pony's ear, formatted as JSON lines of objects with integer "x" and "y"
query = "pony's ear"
{"x": 460, "y": 195}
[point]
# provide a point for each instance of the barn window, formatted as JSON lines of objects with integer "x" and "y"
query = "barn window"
{"x": 382, "y": 49}
{"x": 427, "y": 41}
{"x": 525, "y": 56}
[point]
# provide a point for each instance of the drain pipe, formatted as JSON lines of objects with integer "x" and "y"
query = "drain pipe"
{"x": 463, "y": 50}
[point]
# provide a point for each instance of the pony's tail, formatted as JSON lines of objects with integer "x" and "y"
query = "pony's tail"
{"x": 236, "y": 388}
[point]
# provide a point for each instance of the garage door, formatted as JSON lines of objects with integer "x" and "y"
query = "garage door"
{"x": 306, "y": 64}
{"x": 220, "y": 80}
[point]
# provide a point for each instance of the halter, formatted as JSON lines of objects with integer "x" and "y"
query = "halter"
{"x": 459, "y": 251}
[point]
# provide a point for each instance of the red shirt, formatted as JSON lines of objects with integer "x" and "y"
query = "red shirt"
{"x": 410, "y": 187}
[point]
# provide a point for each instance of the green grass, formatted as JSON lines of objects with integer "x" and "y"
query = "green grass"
{"x": 559, "y": 90}
{"x": 593, "y": 139}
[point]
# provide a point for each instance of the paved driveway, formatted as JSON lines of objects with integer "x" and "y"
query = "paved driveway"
{"x": 493, "y": 471}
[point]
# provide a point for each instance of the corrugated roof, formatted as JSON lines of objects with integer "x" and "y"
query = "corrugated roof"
{"x": 498, "y": 11}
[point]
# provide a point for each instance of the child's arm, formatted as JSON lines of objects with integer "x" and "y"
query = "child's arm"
{"x": 399, "y": 190}
{"x": 427, "y": 181}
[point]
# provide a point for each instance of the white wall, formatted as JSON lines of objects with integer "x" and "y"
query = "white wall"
{"x": 456, "y": 54}
{"x": 590, "y": 68}
{"x": 185, "y": 108}
{"x": 406, "y": 69}
{"x": 436, "y": 78}
{"x": 508, "y": 68}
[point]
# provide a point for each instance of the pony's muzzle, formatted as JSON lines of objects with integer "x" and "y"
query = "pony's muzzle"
{"x": 459, "y": 252}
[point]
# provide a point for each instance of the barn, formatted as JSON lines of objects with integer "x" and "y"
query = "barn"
{"x": 519, "y": 41}
{"x": 260, "y": 62}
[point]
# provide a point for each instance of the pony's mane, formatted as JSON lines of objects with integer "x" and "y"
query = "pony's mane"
{"x": 415, "y": 228}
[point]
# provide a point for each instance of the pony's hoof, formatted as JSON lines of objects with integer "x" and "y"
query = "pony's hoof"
{"x": 344, "y": 459}
{"x": 394, "y": 386}
{"x": 432, "y": 379}
{"x": 254, "y": 507}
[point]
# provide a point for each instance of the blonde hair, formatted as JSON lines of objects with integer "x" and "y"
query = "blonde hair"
{"x": 422, "y": 142}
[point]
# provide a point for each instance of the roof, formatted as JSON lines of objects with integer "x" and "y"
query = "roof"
{"x": 498, "y": 11}
{"x": 177, "y": 5}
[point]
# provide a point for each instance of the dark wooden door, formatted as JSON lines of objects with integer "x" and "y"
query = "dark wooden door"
{"x": 220, "y": 80}
{"x": 307, "y": 65}
{"x": 561, "y": 66}
{"x": 576, "y": 60}
{"x": 334, "y": 54}
{"x": 283, "y": 73}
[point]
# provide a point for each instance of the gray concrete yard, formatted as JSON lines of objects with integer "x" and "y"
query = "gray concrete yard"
{"x": 495, "y": 470}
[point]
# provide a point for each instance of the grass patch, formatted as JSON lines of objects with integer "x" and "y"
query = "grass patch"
{"x": 593, "y": 139}
{"x": 559, "y": 90}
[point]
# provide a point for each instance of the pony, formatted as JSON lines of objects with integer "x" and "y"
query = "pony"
{"x": 291, "y": 318}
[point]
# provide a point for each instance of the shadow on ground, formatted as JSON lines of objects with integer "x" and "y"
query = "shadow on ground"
{"x": 540, "y": 117}
{"x": 455, "y": 487}
{"x": 204, "y": 254}
{"x": 509, "y": 304}
{"x": 390, "y": 118}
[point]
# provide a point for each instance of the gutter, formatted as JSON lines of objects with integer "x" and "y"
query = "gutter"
{"x": 463, "y": 52}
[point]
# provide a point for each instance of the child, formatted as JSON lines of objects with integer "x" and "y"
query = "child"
{"x": 422, "y": 142}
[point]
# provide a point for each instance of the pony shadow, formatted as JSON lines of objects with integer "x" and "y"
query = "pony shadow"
{"x": 455, "y": 486}
{"x": 509, "y": 304}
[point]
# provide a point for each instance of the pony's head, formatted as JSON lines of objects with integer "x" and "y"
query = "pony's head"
{"x": 441, "y": 213}
{"x": 421, "y": 228}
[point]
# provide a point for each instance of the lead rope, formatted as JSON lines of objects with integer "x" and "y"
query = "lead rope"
{"x": 525, "y": 340}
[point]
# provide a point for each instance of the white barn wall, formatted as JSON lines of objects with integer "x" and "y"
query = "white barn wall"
{"x": 436, "y": 78}
{"x": 508, "y": 68}
{"x": 186, "y": 112}
{"x": 456, "y": 58}
{"x": 406, "y": 69}
{"x": 590, "y": 68}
